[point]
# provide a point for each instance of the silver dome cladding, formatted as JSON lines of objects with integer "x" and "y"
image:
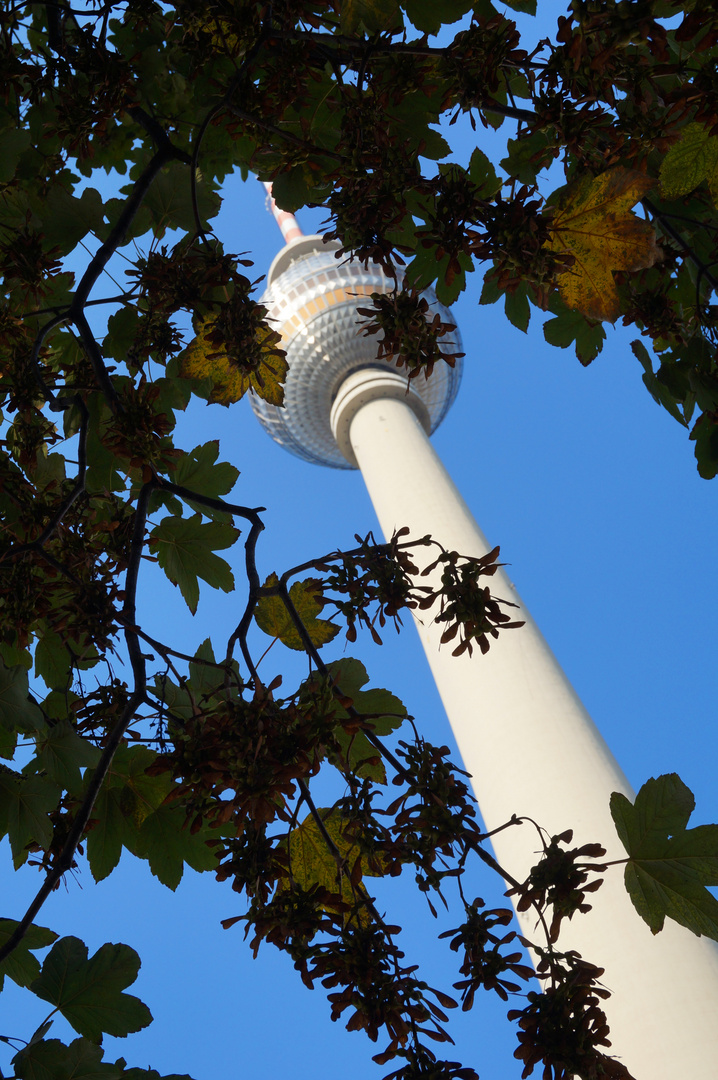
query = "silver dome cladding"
{"x": 312, "y": 300}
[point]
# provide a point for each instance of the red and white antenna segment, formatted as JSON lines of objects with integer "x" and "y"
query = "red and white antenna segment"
{"x": 286, "y": 221}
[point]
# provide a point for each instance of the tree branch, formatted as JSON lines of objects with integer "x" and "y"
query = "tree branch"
{"x": 64, "y": 860}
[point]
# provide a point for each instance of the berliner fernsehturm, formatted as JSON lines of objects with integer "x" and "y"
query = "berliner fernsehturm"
{"x": 524, "y": 736}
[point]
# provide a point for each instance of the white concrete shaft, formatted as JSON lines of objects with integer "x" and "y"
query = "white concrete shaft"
{"x": 533, "y": 750}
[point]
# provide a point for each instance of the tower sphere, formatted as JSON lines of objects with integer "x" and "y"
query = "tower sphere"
{"x": 312, "y": 300}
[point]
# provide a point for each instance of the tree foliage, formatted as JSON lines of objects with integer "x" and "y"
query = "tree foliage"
{"x": 602, "y": 208}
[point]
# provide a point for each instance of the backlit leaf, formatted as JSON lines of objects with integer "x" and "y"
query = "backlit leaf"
{"x": 292, "y": 188}
{"x": 658, "y": 391}
{"x": 12, "y": 144}
{"x": 185, "y": 550}
{"x": 127, "y": 797}
{"x": 593, "y": 224}
{"x": 166, "y": 842}
{"x": 312, "y": 862}
{"x": 25, "y": 802}
{"x": 274, "y": 619}
{"x": 169, "y": 200}
{"x": 21, "y": 966}
{"x": 18, "y": 712}
{"x": 50, "y": 1059}
{"x": 133, "y": 811}
{"x": 528, "y": 7}
{"x": 62, "y": 753}
{"x": 53, "y": 661}
{"x": 89, "y": 992}
{"x": 200, "y": 471}
{"x": 66, "y": 219}
{"x": 669, "y": 865}
{"x": 517, "y": 308}
{"x": 370, "y": 15}
{"x": 381, "y": 710}
{"x": 229, "y": 378}
{"x": 690, "y": 161}
{"x": 572, "y": 328}
{"x": 483, "y": 175}
{"x": 527, "y": 156}
{"x": 429, "y": 16}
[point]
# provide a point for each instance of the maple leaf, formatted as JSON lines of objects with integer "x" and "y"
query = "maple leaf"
{"x": 232, "y": 376}
{"x": 313, "y": 863}
{"x": 273, "y": 618}
{"x": 593, "y": 224}
{"x": 669, "y": 865}
{"x": 690, "y": 161}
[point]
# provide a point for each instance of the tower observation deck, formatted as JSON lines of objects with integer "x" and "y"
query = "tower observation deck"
{"x": 523, "y": 733}
{"x": 312, "y": 300}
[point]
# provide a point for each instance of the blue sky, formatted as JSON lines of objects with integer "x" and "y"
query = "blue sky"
{"x": 591, "y": 491}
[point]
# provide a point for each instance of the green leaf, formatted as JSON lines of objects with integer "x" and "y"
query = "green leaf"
{"x": 51, "y": 1059}
{"x": 126, "y": 798}
{"x": 199, "y": 471}
{"x": 67, "y": 219}
{"x": 705, "y": 436}
{"x": 483, "y": 175}
{"x": 423, "y": 269}
{"x": 122, "y": 329}
{"x": 516, "y": 306}
{"x": 169, "y": 200}
{"x": 105, "y": 841}
{"x": 370, "y": 15}
{"x": 669, "y": 865}
{"x": 53, "y": 663}
{"x": 25, "y": 802}
{"x": 175, "y": 699}
{"x": 381, "y": 710}
{"x": 18, "y": 712}
{"x": 62, "y": 753}
{"x": 490, "y": 291}
{"x": 690, "y": 161}
{"x": 291, "y": 189}
{"x": 134, "y": 810}
{"x": 206, "y": 681}
{"x": 527, "y": 156}
{"x": 447, "y": 291}
{"x": 166, "y": 842}
{"x": 21, "y": 966}
{"x": 429, "y": 16}
{"x": 274, "y": 619}
{"x": 433, "y": 146}
{"x": 13, "y": 143}
{"x": 102, "y": 475}
{"x": 151, "y": 1074}
{"x": 660, "y": 393}
{"x": 8, "y": 743}
{"x": 527, "y": 7}
{"x": 571, "y": 327}
{"x": 185, "y": 550}
{"x": 88, "y": 993}
{"x": 49, "y": 470}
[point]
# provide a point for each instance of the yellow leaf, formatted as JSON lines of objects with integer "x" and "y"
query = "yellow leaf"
{"x": 263, "y": 372}
{"x": 272, "y": 616}
{"x": 312, "y": 862}
{"x": 594, "y": 225}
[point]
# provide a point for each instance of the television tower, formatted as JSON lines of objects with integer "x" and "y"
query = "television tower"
{"x": 523, "y": 734}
